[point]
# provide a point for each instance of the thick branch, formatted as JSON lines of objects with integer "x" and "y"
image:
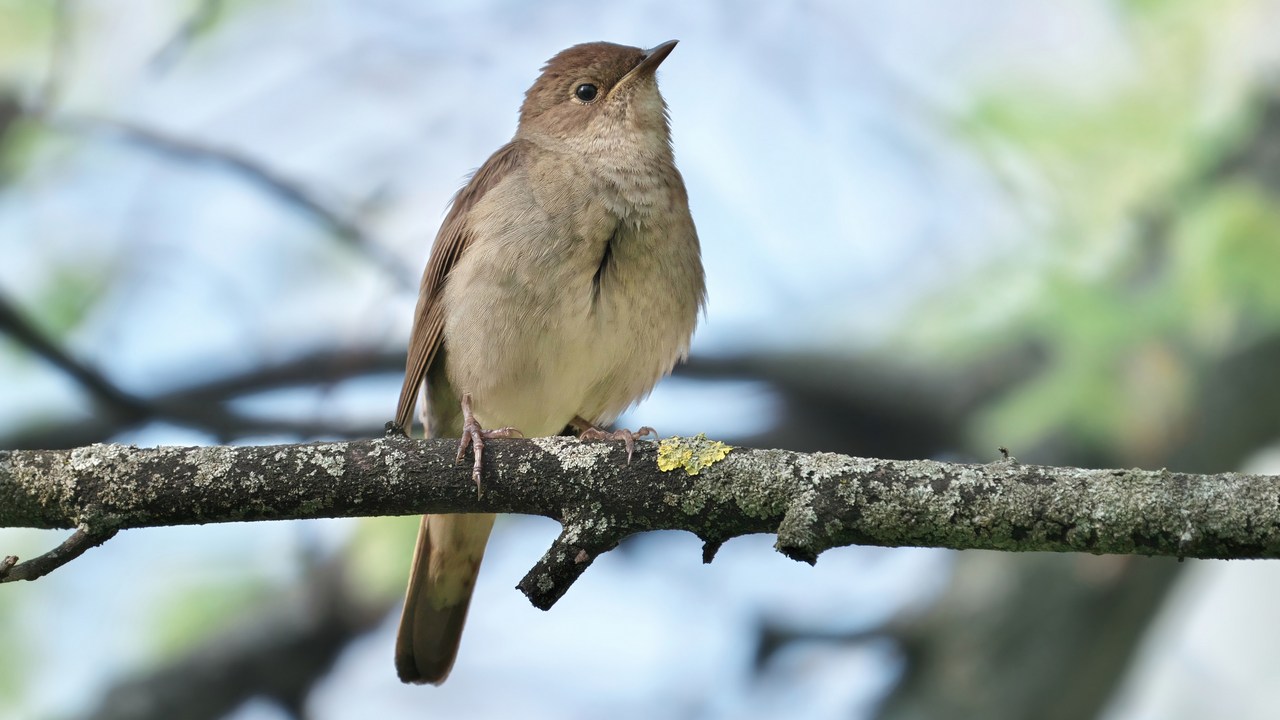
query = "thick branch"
{"x": 812, "y": 501}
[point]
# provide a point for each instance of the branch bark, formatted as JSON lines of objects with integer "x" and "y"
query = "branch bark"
{"x": 812, "y": 501}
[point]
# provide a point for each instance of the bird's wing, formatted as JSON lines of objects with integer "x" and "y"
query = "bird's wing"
{"x": 452, "y": 240}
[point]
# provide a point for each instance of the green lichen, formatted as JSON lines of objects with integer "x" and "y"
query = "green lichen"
{"x": 694, "y": 454}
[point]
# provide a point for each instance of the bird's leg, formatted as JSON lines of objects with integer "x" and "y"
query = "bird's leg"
{"x": 588, "y": 431}
{"x": 474, "y": 435}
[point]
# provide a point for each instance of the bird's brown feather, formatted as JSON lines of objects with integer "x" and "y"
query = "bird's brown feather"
{"x": 451, "y": 242}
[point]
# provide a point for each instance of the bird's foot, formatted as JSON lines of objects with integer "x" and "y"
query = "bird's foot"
{"x": 589, "y": 431}
{"x": 474, "y": 435}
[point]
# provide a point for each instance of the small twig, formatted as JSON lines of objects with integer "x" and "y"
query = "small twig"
{"x": 564, "y": 562}
{"x": 709, "y": 550}
{"x": 70, "y": 549}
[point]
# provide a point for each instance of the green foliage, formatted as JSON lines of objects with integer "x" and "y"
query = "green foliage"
{"x": 1228, "y": 260}
{"x": 25, "y": 30}
{"x": 201, "y": 610}
{"x": 379, "y": 554}
{"x": 1142, "y": 267}
{"x": 69, "y": 294}
{"x": 13, "y": 670}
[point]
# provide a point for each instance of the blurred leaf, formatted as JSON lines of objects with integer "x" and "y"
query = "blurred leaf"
{"x": 202, "y": 610}
{"x": 380, "y": 553}
{"x": 69, "y": 295}
{"x": 1228, "y": 255}
{"x": 1139, "y": 274}
{"x": 25, "y": 29}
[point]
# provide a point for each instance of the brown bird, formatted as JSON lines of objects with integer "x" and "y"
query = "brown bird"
{"x": 565, "y": 281}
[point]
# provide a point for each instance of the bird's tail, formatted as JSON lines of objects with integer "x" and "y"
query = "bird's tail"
{"x": 443, "y": 576}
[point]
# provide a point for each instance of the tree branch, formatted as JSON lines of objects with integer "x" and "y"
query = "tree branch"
{"x": 812, "y": 501}
{"x": 73, "y": 547}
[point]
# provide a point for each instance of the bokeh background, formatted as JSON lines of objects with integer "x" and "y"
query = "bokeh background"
{"x": 930, "y": 229}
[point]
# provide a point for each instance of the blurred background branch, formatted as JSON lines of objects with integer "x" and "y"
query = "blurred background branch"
{"x": 274, "y": 654}
{"x": 287, "y": 191}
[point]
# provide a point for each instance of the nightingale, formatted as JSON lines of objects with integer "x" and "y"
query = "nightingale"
{"x": 565, "y": 281}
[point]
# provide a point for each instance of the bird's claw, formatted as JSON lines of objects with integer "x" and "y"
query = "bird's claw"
{"x": 627, "y": 437}
{"x": 474, "y": 436}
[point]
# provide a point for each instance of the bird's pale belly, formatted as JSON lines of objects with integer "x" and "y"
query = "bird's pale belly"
{"x": 563, "y": 354}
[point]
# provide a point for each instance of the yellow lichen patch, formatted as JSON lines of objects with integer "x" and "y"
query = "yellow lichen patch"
{"x": 694, "y": 454}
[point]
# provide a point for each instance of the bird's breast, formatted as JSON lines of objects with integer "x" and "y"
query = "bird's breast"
{"x": 571, "y": 307}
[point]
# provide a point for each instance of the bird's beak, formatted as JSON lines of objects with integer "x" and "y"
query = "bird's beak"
{"x": 653, "y": 57}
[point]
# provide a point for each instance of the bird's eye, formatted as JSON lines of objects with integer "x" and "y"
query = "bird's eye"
{"x": 586, "y": 92}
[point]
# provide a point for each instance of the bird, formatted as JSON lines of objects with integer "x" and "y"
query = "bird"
{"x": 565, "y": 281}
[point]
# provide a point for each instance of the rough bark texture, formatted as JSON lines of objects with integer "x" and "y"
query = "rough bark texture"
{"x": 812, "y": 501}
